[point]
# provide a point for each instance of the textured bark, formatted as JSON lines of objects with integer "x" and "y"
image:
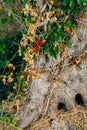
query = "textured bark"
{"x": 59, "y": 86}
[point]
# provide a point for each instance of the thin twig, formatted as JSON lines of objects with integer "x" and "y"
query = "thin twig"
{"x": 47, "y": 100}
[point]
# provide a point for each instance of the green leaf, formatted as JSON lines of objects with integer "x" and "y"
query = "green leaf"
{"x": 68, "y": 23}
{"x": 79, "y": 2}
{"x": 72, "y": 27}
{"x": 84, "y": 1}
{"x": 3, "y": 20}
{"x": 34, "y": 58}
{"x": 68, "y": 11}
{"x": 11, "y": 19}
{"x": 77, "y": 11}
{"x": 60, "y": 39}
{"x": 51, "y": 40}
{"x": 48, "y": 24}
{"x": 85, "y": 8}
{"x": 68, "y": 44}
{"x": 13, "y": 120}
{"x": 44, "y": 33}
{"x": 28, "y": 21}
{"x": 56, "y": 49}
{"x": 72, "y": 4}
{"x": 66, "y": 2}
{"x": 52, "y": 53}
{"x": 59, "y": 25}
{"x": 24, "y": 2}
{"x": 23, "y": 29}
{"x": 47, "y": 49}
{"x": 9, "y": 12}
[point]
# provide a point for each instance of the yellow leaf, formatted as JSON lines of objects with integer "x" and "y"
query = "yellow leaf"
{"x": 51, "y": 2}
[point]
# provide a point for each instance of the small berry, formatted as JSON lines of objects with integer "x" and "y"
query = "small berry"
{"x": 39, "y": 42}
{"x": 35, "y": 48}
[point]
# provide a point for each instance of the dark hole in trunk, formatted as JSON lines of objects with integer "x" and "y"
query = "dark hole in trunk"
{"x": 79, "y": 99}
{"x": 62, "y": 106}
